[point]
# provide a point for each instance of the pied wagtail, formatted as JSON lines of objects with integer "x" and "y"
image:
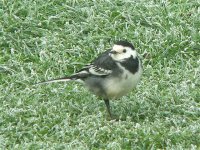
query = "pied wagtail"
{"x": 111, "y": 75}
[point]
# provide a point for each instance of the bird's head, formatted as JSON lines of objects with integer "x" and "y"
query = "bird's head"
{"x": 122, "y": 50}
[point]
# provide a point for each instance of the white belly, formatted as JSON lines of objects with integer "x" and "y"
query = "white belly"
{"x": 119, "y": 86}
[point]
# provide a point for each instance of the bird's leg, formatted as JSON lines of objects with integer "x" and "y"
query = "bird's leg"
{"x": 107, "y": 102}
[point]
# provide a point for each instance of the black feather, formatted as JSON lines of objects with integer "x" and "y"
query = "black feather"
{"x": 131, "y": 64}
{"x": 104, "y": 61}
{"x": 125, "y": 43}
{"x": 101, "y": 63}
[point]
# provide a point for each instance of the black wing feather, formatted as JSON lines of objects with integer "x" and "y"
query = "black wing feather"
{"x": 101, "y": 66}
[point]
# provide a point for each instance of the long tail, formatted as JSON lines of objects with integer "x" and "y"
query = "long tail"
{"x": 79, "y": 77}
{"x": 64, "y": 79}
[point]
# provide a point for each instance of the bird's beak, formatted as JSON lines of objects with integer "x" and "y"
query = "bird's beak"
{"x": 113, "y": 52}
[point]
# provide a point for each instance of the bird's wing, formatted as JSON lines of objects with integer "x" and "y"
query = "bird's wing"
{"x": 101, "y": 66}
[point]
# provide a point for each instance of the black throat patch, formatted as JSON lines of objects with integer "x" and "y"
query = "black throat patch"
{"x": 131, "y": 64}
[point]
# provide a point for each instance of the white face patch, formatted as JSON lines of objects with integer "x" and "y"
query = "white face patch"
{"x": 122, "y": 53}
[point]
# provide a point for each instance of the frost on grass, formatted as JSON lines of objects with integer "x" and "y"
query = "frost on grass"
{"x": 49, "y": 40}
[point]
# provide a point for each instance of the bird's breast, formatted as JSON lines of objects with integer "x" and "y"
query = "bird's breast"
{"x": 120, "y": 86}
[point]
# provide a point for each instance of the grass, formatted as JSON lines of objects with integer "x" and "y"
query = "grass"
{"x": 40, "y": 40}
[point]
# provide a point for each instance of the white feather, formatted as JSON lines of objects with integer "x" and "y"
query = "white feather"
{"x": 120, "y": 55}
{"x": 117, "y": 87}
{"x": 99, "y": 71}
{"x": 53, "y": 81}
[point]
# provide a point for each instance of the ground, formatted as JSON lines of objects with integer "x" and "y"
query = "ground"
{"x": 41, "y": 40}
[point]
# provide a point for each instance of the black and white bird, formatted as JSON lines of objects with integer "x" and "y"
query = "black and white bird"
{"x": 111, "y": 75}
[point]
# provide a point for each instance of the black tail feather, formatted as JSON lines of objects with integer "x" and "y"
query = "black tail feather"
{"x": 64, "y": 79}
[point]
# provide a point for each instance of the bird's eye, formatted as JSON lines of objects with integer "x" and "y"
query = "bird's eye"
{"x": 124, "y": 50}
